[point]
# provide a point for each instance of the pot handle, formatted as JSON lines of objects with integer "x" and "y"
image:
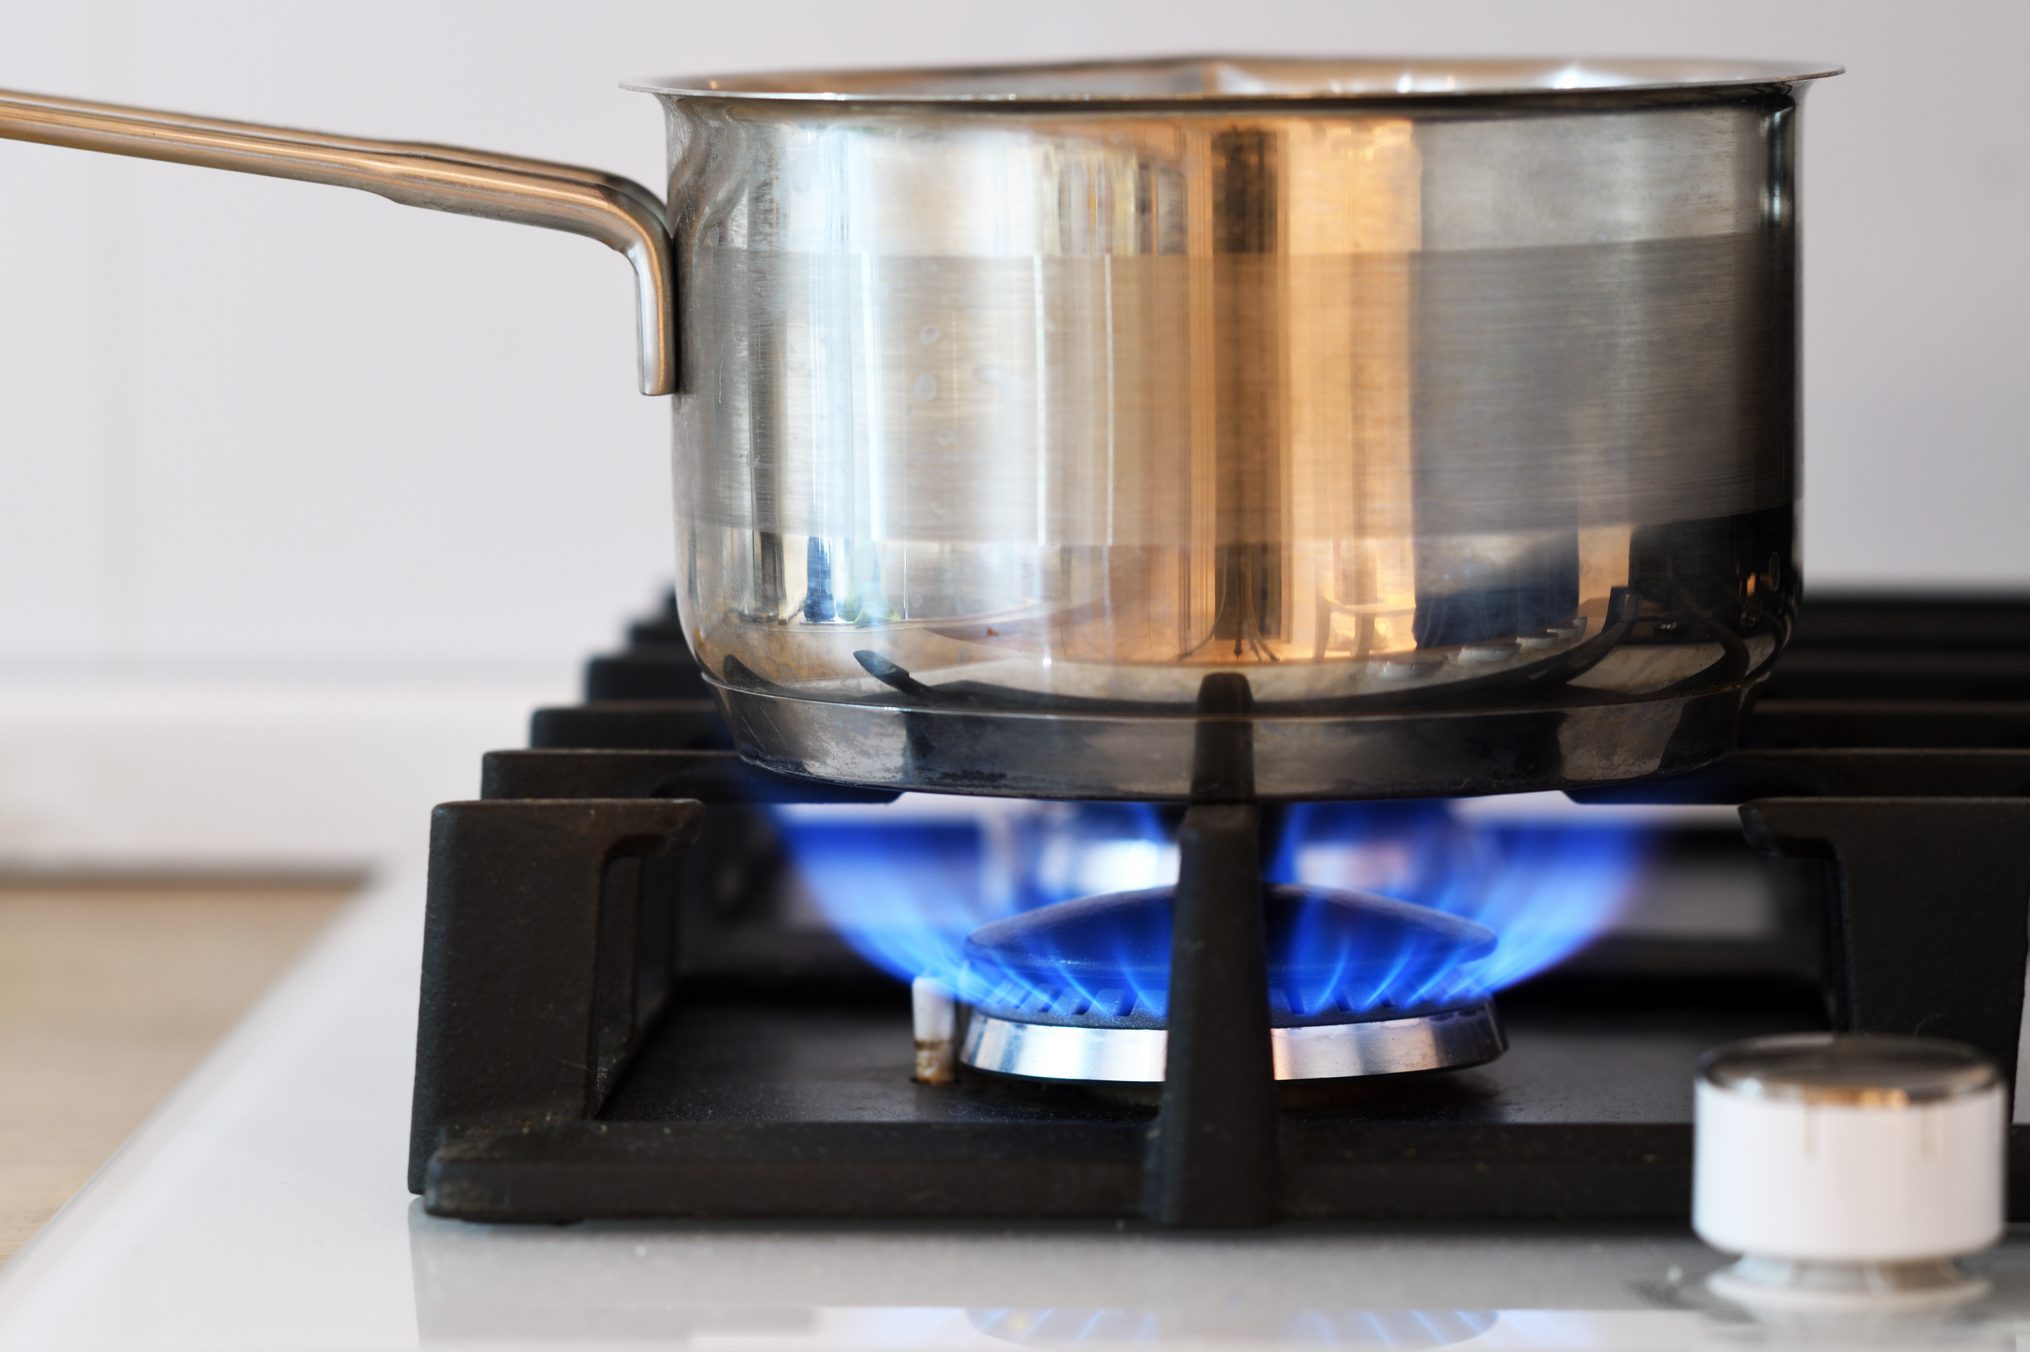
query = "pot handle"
{"x": 617, "y": 212}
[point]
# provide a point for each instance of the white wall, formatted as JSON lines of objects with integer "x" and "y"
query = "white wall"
{"x": 245, "y": 420}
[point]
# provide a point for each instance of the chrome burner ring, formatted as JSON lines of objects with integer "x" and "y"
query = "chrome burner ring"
{"x": 1446, "y": 1039}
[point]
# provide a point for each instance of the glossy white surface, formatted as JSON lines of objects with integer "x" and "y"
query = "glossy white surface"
{"x": 263, "y": 1208}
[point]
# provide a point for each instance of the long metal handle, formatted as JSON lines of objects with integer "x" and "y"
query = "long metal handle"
{"x": 617, "y": 212}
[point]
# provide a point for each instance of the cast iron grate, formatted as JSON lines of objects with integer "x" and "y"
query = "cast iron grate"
{"x": 607, "y": 1032}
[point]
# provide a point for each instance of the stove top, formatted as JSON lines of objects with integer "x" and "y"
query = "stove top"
{"x": 634, "y": 1008}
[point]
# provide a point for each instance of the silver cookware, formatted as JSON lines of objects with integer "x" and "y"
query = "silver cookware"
{"x": 1294, "y": 428}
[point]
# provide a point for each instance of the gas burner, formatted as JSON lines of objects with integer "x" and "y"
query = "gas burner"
{"x": 1358, "y": 985}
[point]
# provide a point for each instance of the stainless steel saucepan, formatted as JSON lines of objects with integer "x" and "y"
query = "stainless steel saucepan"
{"x": 1293, "y": 428}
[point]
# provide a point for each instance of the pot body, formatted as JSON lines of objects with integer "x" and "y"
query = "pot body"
{"x": 1206, "y": 428}
{"x": 1454, "y": 440}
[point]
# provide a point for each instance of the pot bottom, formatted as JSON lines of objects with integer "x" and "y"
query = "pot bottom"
{"x": 1228, "y": 750}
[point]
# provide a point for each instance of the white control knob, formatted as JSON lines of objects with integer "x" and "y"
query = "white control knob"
{"x": 1848, "y": 1166}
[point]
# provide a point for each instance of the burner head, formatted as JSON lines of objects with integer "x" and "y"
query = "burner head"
{"x": 1334, "y": 954}
{"x": 1358, "y": 985}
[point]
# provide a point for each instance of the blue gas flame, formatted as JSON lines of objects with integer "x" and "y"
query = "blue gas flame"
{"x": 905, "y": 890}
{"x": 1546, "y": 889}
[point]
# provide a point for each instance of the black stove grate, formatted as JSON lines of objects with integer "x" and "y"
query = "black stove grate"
{"x": 608, "y": 1031}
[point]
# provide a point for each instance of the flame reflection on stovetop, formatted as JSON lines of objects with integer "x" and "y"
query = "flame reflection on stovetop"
{"x": 906, "y": 884}
{"x": 1398, "y": 1330}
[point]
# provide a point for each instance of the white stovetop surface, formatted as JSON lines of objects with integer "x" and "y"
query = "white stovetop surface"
{"x": 263, "y": 1207}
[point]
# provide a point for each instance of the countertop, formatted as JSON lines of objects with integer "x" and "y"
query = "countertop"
{"x": 110, "y": 992}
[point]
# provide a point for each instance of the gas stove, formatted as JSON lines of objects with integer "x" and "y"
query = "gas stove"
{"x": 660, "y": 983}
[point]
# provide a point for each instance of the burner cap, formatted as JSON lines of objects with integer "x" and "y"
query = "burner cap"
{"x": 1444, "y": 1039}
{"x": 1335, "y": 956}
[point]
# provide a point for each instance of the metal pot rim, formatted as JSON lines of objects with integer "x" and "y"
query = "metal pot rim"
{"x": 1187, "y": 82}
